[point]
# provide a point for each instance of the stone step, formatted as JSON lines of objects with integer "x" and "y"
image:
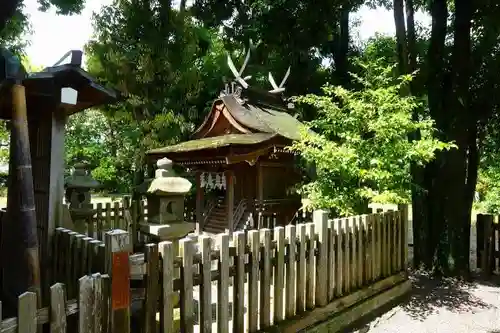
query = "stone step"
{"x": 214, "y": 230}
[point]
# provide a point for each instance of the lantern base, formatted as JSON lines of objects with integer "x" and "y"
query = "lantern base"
{"x": 168, "y": 232}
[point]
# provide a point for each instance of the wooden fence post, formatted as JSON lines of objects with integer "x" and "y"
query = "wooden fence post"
{"x": 404, "y": 242}
{"x": 167, "y": 312}
{"x": 151, "y": 257}
{"x": 117, "y": 266}
{"x": 486, "y": 258}
{"x": 479, "y": 240}
{"x": 320, "y": 219}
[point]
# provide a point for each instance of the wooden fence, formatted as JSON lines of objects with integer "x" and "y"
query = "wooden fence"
{"x": 88, "y": 313}
{"x": 125, "y": 214}
{"x": 252, "y": 281}
{"x": 488, "y": 243}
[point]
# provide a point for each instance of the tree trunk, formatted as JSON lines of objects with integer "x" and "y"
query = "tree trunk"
{"x": 406, "y": 51}
{"x": 446, "y": 179}
{"x": 461, "y": 127}
{"x": 341, "y": 61}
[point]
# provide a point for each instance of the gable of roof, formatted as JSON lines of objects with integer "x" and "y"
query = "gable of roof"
{"x": 256, "y": 117}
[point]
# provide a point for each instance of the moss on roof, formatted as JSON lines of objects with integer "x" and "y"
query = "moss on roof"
{"x": 214, "y": 142}
{"x": 264, "y": 118}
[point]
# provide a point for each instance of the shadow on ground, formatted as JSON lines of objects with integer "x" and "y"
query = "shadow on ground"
{"x": 428, "y": 294}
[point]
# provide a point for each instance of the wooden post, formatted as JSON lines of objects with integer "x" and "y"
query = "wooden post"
{"x": 117, "y": 266}
{"x": 19, "y": 232}
{"x": 480, "y": 239}
{"x": 151, "y": 257}
{"x": 320, "y": 219}
{"x": 199, "y": 204}
{"x": 486, "y": 266}
{"x": 404, "y": 241}
{"x": 167, "y": 313}
{"x": 223, "y": 284}
{"x": 230, "y": 200}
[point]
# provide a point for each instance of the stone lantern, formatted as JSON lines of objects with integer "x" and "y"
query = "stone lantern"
{"x": 78, "y": 187}
{"x": 165, "y": 196}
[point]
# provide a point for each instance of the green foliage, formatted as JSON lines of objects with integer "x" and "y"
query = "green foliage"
{"x": 16, "y": 29}
{"x": 361, "y": 151}
{"x": 169, "y": 70}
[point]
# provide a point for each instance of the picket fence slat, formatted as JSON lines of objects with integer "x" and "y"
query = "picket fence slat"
{"x": 321, "y": 222}
{"x": 223, "y": 284}
{"x": 27, "y": 313}
{"x": 279, "y": 272}
{"x": 206, "y": 285}
{"x": 290, "y": 272}
{"x": 186, "y": 247}
{"x": 331, "y": 259}
{"x": 151, "y": 256}
{"x": 167, "y": 313}
{"x": 340, "y": 258}
{"x": 354, "y": 252}
{"x": 58, "y": 309}
{"x": 265, "y": 282}
{"x": 301, "y": 269}
{"x": 85, "y": 305}
{"x": 253, "y": 281}
{"x": 98, "y": 303}
{"x": 239, "y": 282}
{"x": 311, "y": 269}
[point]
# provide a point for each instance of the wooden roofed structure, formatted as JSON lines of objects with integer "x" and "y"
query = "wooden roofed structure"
{"x": 240, "y": 152}
{"x": 37, "y": 106}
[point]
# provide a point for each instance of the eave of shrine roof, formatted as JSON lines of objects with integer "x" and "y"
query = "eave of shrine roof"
{"x": 214, "y": 143}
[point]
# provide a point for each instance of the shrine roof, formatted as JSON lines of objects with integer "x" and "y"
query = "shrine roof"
{"x": 265, "y": 118}
{"x": 251, "y": 120}
{"x": 214, "y": 143}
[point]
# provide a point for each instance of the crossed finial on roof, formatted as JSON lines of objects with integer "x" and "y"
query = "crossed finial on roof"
{"x": 243, "y": 80}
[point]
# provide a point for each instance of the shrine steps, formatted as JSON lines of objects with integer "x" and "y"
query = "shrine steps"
{"x": 217, "y": 220}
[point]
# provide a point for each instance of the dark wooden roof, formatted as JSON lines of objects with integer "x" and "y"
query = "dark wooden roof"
{"x": 43, "y": 91}
{"x": 237, "y": 122}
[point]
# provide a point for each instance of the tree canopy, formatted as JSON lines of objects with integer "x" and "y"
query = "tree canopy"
{"x": 379, "y": 134}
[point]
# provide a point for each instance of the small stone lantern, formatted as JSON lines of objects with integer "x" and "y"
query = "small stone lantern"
{"x": 78, "y": 187}
{"x": 165, "y": 195}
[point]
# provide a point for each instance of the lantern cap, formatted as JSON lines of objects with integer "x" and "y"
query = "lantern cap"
{"x": 166, "y": 182}
{"x": 81, "y": 178}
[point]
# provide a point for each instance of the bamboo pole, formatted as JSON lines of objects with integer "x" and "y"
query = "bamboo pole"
{"x": 20, "y": 230}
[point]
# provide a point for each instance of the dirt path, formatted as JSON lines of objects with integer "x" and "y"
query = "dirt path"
{"x": 448, "y": 306}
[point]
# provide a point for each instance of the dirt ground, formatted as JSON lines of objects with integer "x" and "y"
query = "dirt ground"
{"x": 447, "y": 306}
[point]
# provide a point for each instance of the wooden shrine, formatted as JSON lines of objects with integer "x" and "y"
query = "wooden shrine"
{"x": 37, "y": 106}
{"x": 239, "y": 153}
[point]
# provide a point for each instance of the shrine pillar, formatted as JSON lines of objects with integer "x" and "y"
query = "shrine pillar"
{"x": 230, "y": 200}
{"x": 199, "y": 203}
{"x": 260, "y": 194}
